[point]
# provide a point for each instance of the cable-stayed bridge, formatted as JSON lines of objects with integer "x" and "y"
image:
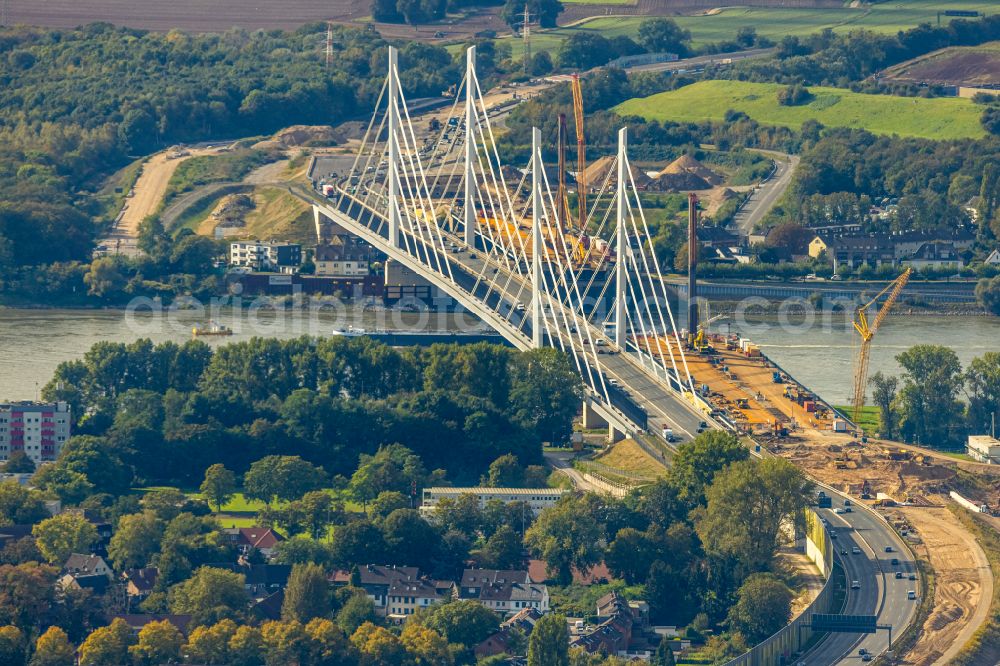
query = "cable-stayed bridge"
{"x": 500, "y": 241}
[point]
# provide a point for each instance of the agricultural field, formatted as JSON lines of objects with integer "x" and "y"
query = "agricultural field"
{"x": 719, "y": 25}
{"x": 964, "y": 65}
{"x": 940, "y": 118}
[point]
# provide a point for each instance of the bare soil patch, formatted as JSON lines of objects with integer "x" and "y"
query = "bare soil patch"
{"x": 970, "y": 66}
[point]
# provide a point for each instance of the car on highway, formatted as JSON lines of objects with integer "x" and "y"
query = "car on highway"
{"x": 895, "y": 561}
{"x": 855, "y": 585}
{"x": 838, "y": 511}
{"x": 888, "y": 549}
{"x": 913, "y": 576}
{"x": 847, "y": 502}
{"x": 899, "y": 575}
{"x": 843, "y": 552}
{"x": 848, "y": 509}
{"x": 866, "y": 656}
{"x": 911, "y": 595}
{"x": 855, "y": 550}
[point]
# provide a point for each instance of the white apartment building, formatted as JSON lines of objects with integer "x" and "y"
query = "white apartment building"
{"x": 260, "y": 256}
{"x": 39, "y": 429}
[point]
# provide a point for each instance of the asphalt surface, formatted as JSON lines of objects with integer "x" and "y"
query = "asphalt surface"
{"x": 767, "y": 194}
{"x": 880, "y": 592}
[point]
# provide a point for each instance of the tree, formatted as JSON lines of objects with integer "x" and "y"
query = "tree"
{"x": 135, "y": 540}
{"x": 791, "y": 237}
{"x": 27, "y": 594}
{"x": 982, "y": 379}
{"x": 387, "y": 502}
{"x": 159, "y": 643}
{"x": 748, "y": 502}
{"x": 548, "y": 644}
{"x": 210, "y": 595}
{"x": 464, "y": 622}
{"x": 566, "y": 535}
{"x": 698, "y": 461}
{"x": 62, "y": 535}
{"x": 377, "y": 646}
{"x": 504, "y": 549}
{"x": 12, "y": 645}
{"x": 19, "y": 463}
{"x": 664, "y": 655}
{"x": 794, "y": 95}
{"x": 541, "y": 64}
{"x": 307, "y": 594}
{"x": 219, "y": 485}
{"x": 357, "y": 541}
{"x": 545, "y": 394}
{"x": 930, "y": 412}
{"x": 20, "y": 506}
{"x": 506, "y": 472}
{"x": 410, "y": 539}
{"x": 68, "y": 485}
{"x": 356, "y": 611}
{"x": 107, "y": 646}
{"x": 763, "y": 606}
{"x": 663, "y": 35}
{"x": 988, "y": 294}
{"x": 281, "y": 477}
{"x": 104, "y": 279}
{"x": 210, "y": 644}
{"x": 386, "y": 11}
{"x": 425, "y": 646}
{"x": 991, "y": 120}
{"x": 53, "y": 649}
{"x": 392, "y": 468}
{"x": 328, "y": 644}
{"x": 883, "y": 395}
{"x": 246, "y": 647}
{"x": 630, "y": 555}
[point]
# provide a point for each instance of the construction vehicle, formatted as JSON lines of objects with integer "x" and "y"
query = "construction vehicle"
{"x": 867, "y": 332}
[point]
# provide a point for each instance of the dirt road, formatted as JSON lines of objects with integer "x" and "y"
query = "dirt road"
{"x": 964, "y": 585}
{"x": 147, "y": 194}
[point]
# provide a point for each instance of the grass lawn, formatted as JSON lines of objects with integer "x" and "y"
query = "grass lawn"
{"x": 628, "y": 456}
{"x": 239, "y": 506}
{"x": 773, "y": 22}
{"x": 941, "y": 118}
{"x": 869, "y": 420}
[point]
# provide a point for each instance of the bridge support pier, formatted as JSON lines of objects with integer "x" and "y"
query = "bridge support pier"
{"x": 615, "y": 435}
{"x": 591, "y": 419}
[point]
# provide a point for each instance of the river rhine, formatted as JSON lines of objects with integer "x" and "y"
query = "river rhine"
{"x": 34, "y": 342}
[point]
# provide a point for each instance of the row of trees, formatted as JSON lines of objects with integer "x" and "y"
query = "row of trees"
{"x": 935, "y": 402}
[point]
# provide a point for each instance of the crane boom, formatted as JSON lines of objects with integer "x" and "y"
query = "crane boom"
{"x": 581, "y": 157}
{"x": 867, "y": 332}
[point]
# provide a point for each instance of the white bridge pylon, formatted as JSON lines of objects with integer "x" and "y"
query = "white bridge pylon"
{"x": 443, "y": 196}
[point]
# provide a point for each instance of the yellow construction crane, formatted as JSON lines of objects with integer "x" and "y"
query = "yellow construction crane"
{"x": 867, "y": 331}
{"x": 581, "y": 156}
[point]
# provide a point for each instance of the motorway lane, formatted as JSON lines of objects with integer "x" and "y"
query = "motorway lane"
{"x": 880, "y": 593}
{"x": 764, "y": 197}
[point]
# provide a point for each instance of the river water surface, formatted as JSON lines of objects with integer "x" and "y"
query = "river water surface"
{"x": 34, "y": 342}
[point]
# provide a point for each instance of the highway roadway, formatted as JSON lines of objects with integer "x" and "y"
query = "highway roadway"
{"x": 880, "y": 592}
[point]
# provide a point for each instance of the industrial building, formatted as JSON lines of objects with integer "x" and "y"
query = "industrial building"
{"x": 39, "y": 429}
{"x": 536, "y": 498}
{"x": 984, "y": 449}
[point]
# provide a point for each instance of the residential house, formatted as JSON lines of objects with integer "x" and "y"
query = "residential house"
{"x": 717, "y": 237}
{"x": 349, "y": 258}
{"x": 12, "y": 533}
{"x": 613, "y": 633}
{"x": 37, "y": 429}
{"x": 87, "y": 565}
{"x": 499, "y": 642}
{"x": 993, "y": 259}
{"x": 273, "y": 256}
{"x": 263, "y": 580}
{"x": 906, "y": 244}
{"x": 378, "y": 581}
{"x": 269, "y": 608}
{"x": 935, "y": 255}
{"x": 96, "y": 583}
{"x": 246, "y": 539}
{"x": 505, "y": 592}
{"x": 139, "y": 583}
{"x": 984, "y": 449}
{"x": 407, "y": 596}
{"x": 854, "y": 251}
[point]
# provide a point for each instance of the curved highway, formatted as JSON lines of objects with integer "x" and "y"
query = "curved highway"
{"x": 879, "y": 591}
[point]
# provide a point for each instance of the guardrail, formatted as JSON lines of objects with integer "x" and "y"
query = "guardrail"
{"x": 792, "y": 637}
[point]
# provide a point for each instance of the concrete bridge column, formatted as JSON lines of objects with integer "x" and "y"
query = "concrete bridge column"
{"x": 591, "y": 419}
{"x": 615, "y": 435}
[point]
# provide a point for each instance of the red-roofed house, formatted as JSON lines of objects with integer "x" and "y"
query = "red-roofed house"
{"x": 263, "y": 539}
